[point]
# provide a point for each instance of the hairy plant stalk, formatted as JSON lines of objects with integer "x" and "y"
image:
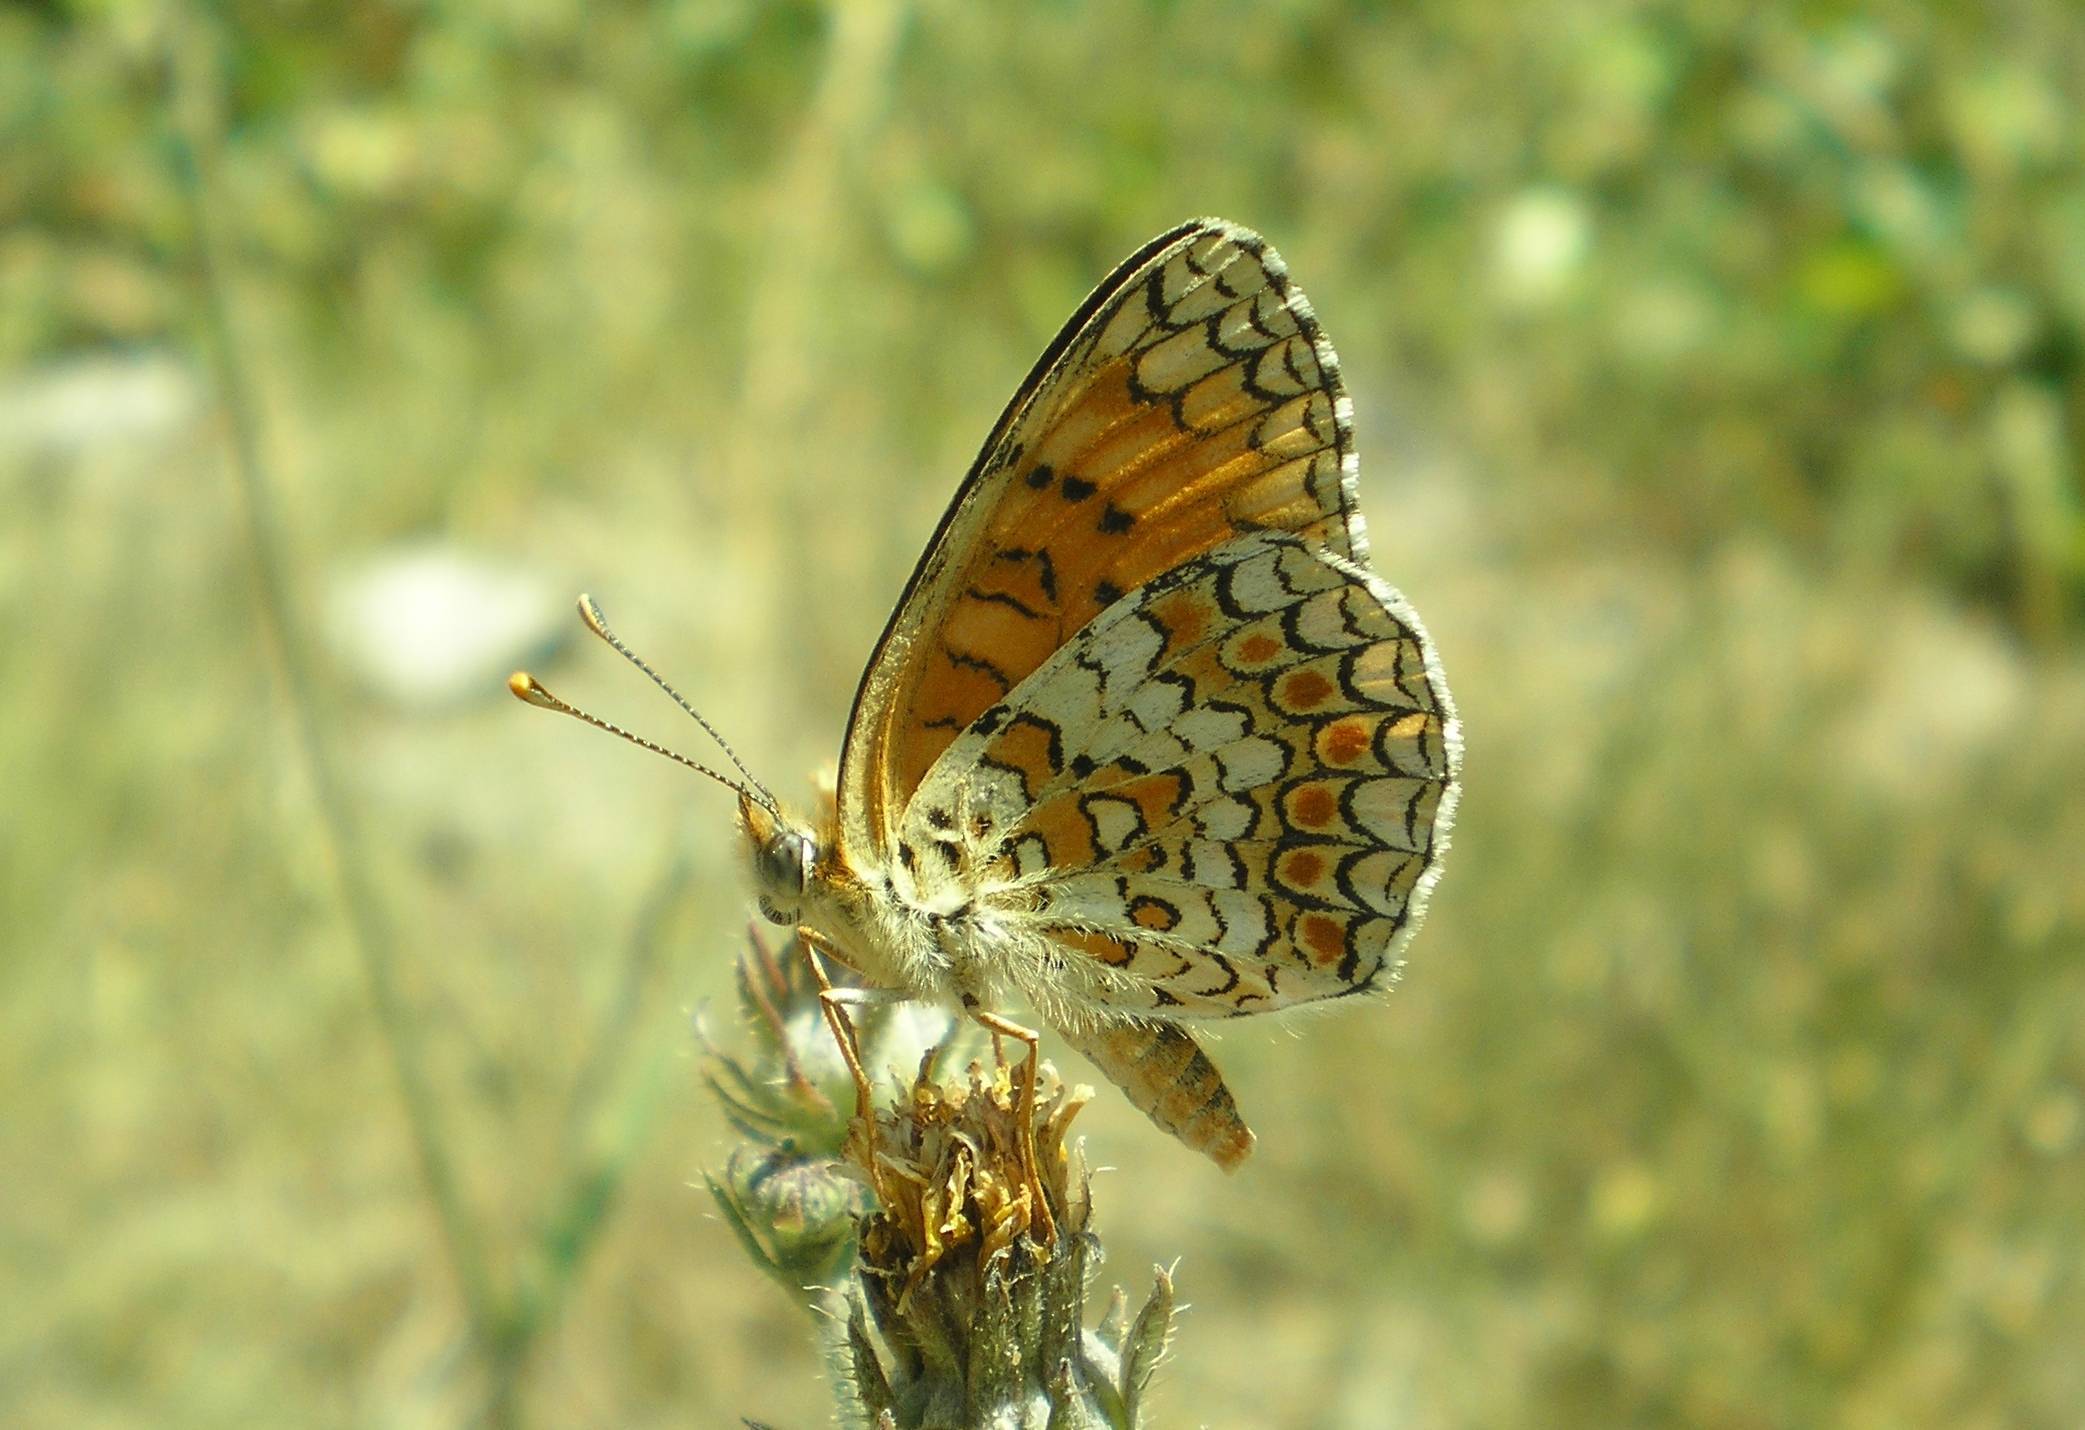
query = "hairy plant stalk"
{"x": 949, "y": 1282}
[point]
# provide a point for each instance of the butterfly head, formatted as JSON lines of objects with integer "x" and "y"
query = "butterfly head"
{"x": 783, "y": 856}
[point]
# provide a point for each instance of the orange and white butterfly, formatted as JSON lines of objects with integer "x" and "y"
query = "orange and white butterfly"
{"x": 1146, "y": 742}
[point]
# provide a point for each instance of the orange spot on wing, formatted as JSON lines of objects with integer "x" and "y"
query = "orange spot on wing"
{"x": 1111, "y": 951}
{"x": 1018, "y": 579}
{"x": 1305, "y": 690}
{"x": 999, "y": 633}
{"x": 1323, "y": 936}
{"x": 1185, "y": 617}
{"x": 1313, "y": 807}
{"x": 1303, "y": 869}
{"x": 1343, "y": 741}
{"x": 947, "y": 692}
{"x": 1026, "y": 746}
{"x": 1154, "y": 795}
{"x": 1258, "y": 650}
{"x": 1065, "y": 832}
{"x": 1153, "y": 914}
{"x": 1140, "y": 860}
{"x": 1205, "y": 670}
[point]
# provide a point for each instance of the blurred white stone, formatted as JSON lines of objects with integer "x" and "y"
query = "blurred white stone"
{"x": 427, "y": 624}
{"x": 1542, "y": 240}
{"x": 81, "y": 404}
{"x": 1947, "y": 693}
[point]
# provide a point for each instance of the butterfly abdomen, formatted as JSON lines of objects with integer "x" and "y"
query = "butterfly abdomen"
{"x": 1166, "y": 1076}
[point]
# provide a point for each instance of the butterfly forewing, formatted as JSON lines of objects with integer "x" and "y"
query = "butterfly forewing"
{"x": 1190, "y": 400}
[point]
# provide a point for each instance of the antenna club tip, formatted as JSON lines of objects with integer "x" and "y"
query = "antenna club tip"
{"x": 591, "y": 614}
{"x": 525, "y": 689}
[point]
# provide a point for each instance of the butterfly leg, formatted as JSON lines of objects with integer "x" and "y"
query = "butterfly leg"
{"x": 831, "y": 1003}
{"x": 1030, "y": 1166}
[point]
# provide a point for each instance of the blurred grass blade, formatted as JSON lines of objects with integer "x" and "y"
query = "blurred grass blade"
{"x": 193, "y": 81}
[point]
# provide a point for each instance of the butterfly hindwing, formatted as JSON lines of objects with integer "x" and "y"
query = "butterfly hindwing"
{"x": 1228, "y": 794}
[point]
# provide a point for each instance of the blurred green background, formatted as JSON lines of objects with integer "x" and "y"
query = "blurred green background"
{"x": 1718, "y": 381}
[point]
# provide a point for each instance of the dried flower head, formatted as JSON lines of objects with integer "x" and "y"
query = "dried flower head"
{"x": 948, "y": 1237}
{"x": 969, "y": 1307}
{"x": 948, "y": 1169}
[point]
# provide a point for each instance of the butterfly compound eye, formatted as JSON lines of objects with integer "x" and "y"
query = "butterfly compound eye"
{"x": 784, "y": 870}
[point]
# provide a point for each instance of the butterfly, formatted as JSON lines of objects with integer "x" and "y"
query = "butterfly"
{"x": 1146, "y": 743}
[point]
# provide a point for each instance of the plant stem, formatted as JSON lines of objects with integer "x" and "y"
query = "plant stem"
{"x": 194, "y": 97}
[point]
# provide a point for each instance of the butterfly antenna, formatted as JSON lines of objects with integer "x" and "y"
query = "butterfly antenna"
{"x": 598, "y": 624}
{"x": 531, "y": 691}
